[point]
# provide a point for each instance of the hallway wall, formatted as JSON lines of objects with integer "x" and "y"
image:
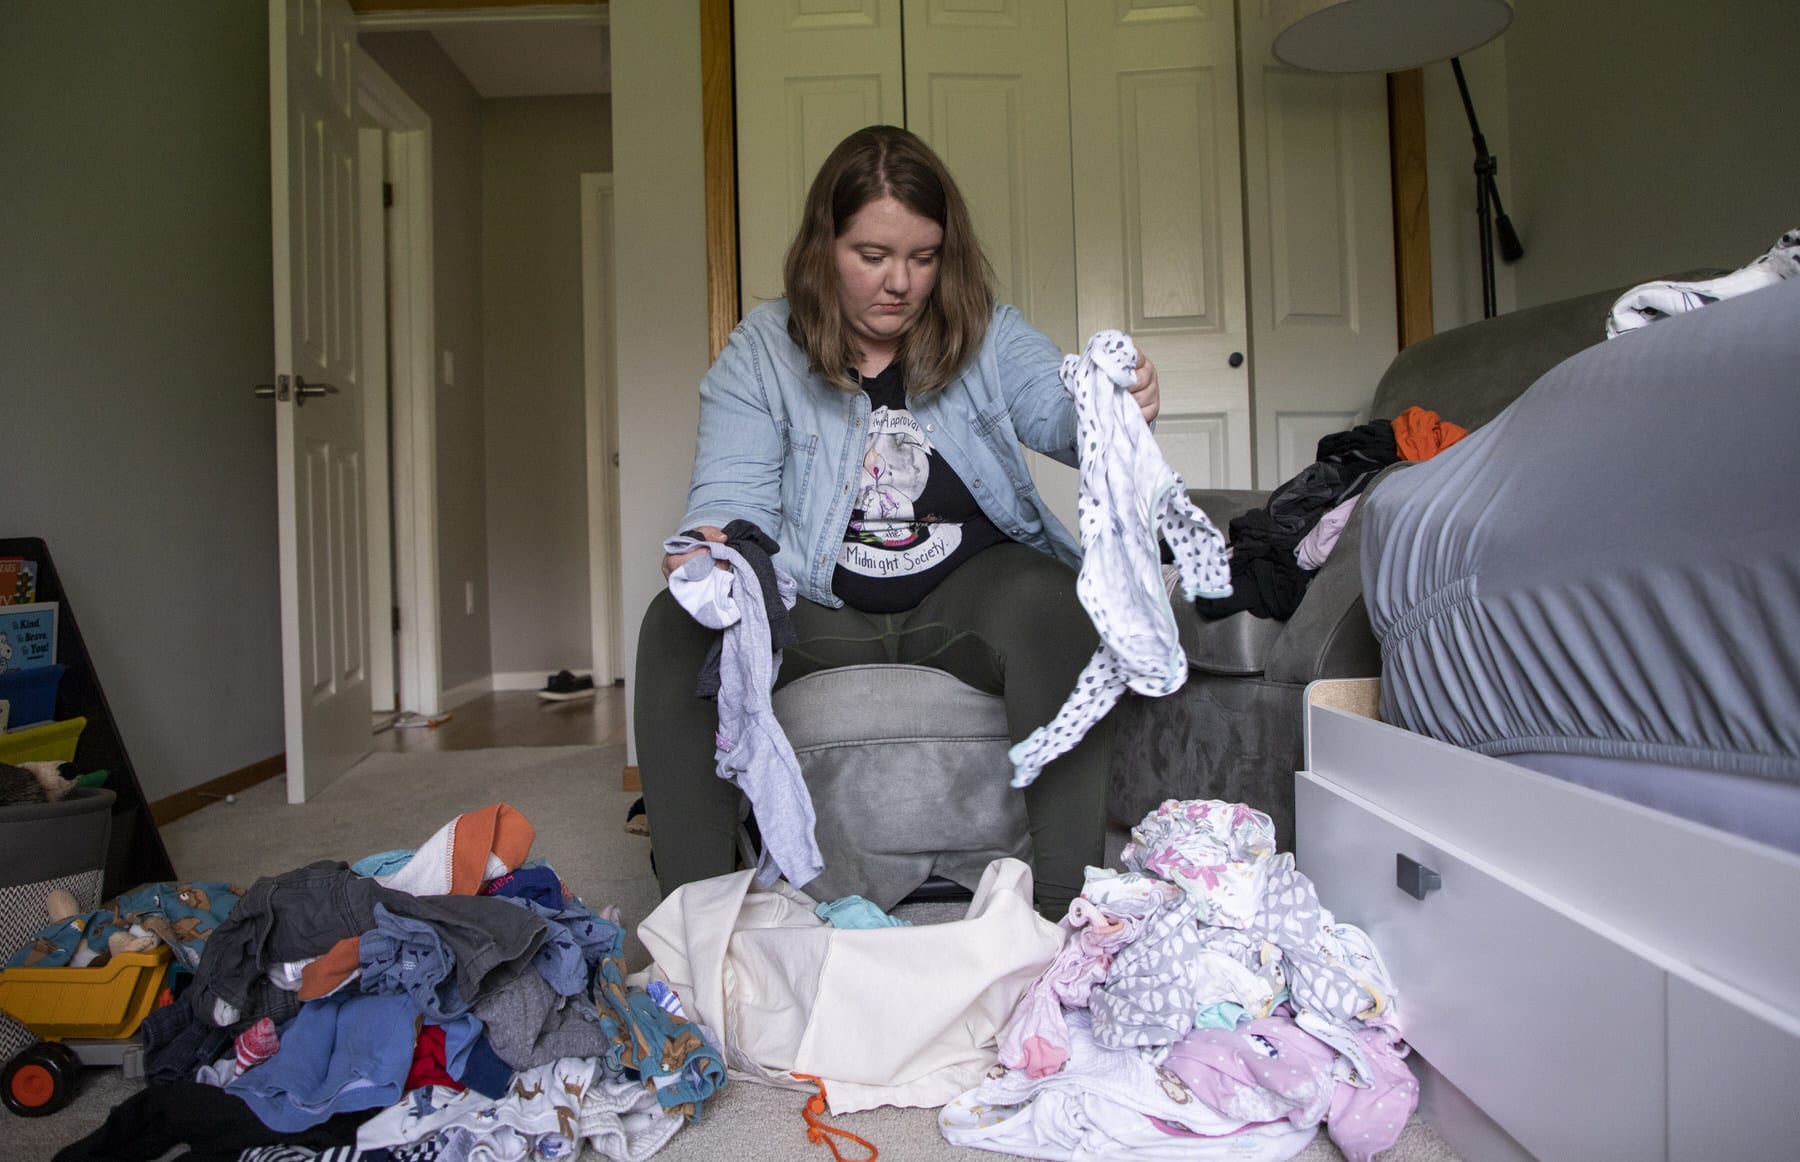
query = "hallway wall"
{"x": 534, "y": 151}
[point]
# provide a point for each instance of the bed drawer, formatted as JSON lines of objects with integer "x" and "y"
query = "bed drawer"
{"x": 1554, "y": 1029}
{"x": 1732, "y": 1067}
{"x": 1705, "y": 901}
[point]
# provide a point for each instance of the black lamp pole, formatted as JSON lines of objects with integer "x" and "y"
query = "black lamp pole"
{"x": 1488, "y": 211}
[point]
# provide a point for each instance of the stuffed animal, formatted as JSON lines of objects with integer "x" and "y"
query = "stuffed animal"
{"x": 36, "y": 782}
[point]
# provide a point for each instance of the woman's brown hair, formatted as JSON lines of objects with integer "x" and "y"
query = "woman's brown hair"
{"x": 873, "y": 163}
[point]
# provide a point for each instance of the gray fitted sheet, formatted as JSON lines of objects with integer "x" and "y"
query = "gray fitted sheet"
{"x": 1611, "y": 567}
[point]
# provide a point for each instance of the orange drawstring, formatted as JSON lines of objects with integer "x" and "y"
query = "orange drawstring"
{"x": 816, "y": 1129}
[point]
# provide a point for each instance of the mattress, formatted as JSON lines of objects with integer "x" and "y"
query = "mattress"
{"x": 1610, "y": 569}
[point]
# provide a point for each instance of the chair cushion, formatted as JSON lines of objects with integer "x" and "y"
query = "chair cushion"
{"x": 909, "y": 778}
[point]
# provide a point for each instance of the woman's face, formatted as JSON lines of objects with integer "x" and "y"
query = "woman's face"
{"x": 887, "y": 263}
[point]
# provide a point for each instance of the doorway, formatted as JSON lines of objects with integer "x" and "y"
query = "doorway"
{"x": 522, "y": 424}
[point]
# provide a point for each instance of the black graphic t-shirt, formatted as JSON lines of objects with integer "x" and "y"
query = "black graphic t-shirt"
{"x": 914, "y": 520}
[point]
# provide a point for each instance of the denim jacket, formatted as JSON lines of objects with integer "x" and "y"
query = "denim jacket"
{"x": 783, "y": 448}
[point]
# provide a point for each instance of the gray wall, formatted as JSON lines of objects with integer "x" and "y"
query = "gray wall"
{"x": 534, "y": 151}
{"x": 1634, "y": 140}
{"x": 414, "y": 60}
{"x": 135, "y": 315}
{"x": 1650, "y": 137}
{"x": 1450, "y": 177}
{"x": 659, "y": 204}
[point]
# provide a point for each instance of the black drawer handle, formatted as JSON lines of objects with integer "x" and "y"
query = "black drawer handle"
{"x": 1414, "y": 878}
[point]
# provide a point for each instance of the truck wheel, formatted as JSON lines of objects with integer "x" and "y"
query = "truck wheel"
{"x": 40, "y": 1080}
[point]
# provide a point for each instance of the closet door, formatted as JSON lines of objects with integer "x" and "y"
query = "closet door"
{"x": 1321, "y": 249}
{"x": 1159, "y": 214}
{"x": 987, "y": 85}
{"x": 809, "y": 73}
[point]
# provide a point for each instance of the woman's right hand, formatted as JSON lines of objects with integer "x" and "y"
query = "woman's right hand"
{"x": 674, "y": 561}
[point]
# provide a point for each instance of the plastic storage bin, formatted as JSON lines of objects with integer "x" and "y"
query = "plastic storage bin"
{"x": 30, "y": 694}
{"x": 51, "y": 742}
{"x": 45, "y": 846}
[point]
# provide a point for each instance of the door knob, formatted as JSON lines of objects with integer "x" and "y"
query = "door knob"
{"x": 303, "y": 389}
{"x": 1236, "y": 359}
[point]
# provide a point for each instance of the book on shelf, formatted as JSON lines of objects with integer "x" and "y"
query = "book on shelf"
{"x": 18, "y": 581}
{"x": 27, "y": 636}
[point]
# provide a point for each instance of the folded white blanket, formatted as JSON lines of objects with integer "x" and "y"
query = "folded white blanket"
{"x": 1644, "y": 304}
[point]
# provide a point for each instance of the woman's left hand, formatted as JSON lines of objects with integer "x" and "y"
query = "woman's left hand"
{"x": 1148, "y": 392}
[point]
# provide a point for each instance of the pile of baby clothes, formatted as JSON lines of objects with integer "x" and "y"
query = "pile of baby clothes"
{"x": 1203, "y": 1005}
{"x": 454, "y": 1001}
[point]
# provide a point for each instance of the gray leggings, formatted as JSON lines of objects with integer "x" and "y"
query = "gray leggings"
{"x": 1006, "y": 622}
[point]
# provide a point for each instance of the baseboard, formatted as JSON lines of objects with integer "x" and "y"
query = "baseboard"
{"x": 514, "y": 680}
{"x": 467, "y": 692}
{"x": 186, "y": 802}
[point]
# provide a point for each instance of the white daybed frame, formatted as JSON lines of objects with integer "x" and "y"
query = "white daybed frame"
{"x": 1592, "y": 980}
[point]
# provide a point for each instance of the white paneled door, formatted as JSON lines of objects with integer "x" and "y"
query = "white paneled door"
{"x": 1320, "y": 212}
{"x": 317, "y": 391}
{"x": 809, "y": 74}
{"x": 987, "y": 86}
{"x": 1119, "y": 176}
{"x": 1159, "y": 213}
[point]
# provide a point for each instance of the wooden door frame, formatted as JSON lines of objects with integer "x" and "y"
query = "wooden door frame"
{"x": 1406, "y": 148}
{"x": 1412, "y": 205}
{"x": 718, "y": 127}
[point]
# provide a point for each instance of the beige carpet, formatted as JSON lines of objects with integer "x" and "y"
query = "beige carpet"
{"x": 571, "y": 796}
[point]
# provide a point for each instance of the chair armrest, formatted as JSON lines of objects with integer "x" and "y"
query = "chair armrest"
{"x": 1222, "y": 504}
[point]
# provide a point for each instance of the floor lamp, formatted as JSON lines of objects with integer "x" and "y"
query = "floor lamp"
{"x": 1386, "y": 36}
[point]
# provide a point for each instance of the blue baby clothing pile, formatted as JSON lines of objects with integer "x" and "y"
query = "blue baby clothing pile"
{"x": 454, "y": 1001}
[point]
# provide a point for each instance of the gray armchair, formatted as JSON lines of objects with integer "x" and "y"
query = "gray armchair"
{"x": 1234, "y": 731}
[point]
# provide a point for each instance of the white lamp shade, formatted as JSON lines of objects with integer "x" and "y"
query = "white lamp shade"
{"x": 1382, "y": 36}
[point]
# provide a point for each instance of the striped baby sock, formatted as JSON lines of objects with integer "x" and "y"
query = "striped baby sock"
{"x": 256, "y": 1044}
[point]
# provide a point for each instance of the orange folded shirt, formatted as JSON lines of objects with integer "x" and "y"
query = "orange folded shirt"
{"x": 1419, "y": 434}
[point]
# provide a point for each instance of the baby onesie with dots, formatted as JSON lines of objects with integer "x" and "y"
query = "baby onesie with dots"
{"x": 1128, "y": 495}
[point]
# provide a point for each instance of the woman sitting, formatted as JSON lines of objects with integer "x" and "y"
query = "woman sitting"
{"x": 871, "y": 423}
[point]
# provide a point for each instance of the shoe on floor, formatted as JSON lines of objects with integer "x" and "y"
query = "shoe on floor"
{"x": 564, "y": 686}
{"x": 637, "y": 822}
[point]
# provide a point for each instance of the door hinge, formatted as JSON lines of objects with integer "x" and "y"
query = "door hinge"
{"x": 396, "y": 619}
{"x": 387, "y": 195}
